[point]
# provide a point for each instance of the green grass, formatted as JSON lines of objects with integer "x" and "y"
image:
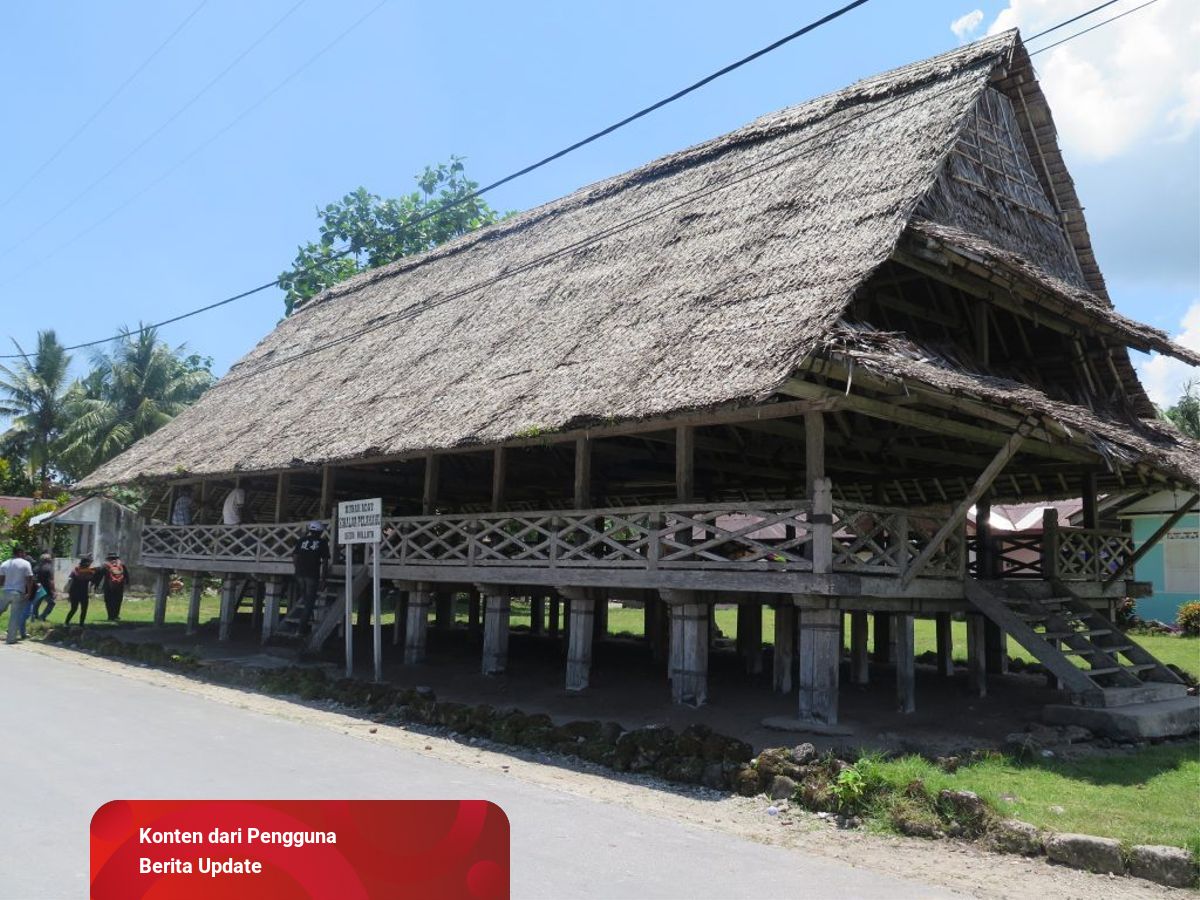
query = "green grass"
{"x": 1150, "y": 796}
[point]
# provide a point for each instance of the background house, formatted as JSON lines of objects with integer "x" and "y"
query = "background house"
{"x": 1174, "y": 565}
{"x": 99, "y": 526}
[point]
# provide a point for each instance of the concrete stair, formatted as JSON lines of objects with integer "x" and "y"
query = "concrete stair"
{"x": 1137, "y": 721}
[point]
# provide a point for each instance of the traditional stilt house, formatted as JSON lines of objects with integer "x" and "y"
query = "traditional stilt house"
{"x": 777, "y": 368}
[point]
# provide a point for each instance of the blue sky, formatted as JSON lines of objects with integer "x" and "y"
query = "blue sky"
{"x": 501, "y": 84}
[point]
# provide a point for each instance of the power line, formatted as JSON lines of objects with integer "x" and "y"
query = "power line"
{"x": 195, "y": 98}
{"x": 1093, "y": 28}
{"x": 446, "y": 206}
{"x": 102, "y": 107}
{"x": 1064, "y": 24}
{"x": 199, "y": 149}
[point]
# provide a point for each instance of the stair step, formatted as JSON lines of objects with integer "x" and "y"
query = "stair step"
{"x": 1119, "y": 648}
{"x": 1109, "y": 670}
{"x": 1086, "y": 633}
{"x": 1141, "y": 667}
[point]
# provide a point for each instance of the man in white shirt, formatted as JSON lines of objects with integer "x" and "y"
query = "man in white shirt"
{"x": 232, "y": 510}
{"x": 17, "y": 574}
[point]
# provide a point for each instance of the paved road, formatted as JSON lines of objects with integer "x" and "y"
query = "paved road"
{"x": 75, "y": 737}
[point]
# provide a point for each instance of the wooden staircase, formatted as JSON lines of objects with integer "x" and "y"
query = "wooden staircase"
{"x": 1096, "y": 664}
{"x": 329, "y": 613}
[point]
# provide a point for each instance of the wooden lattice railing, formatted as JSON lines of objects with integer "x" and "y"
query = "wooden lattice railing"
{"x": 1068, "y": 554}
{"x": 753, "y": 536}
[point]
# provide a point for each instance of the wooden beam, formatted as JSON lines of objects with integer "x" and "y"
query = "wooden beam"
{"x": 499, "y": 476}
{"x": 1171, "y": 522}
{"x": 814, "y": 450}
{"x": 1087, "y": 490}
{"x": 982, "y": 483}
{"x": 430, "y": 490}
{"x": 328, "y": 486}
{"x": 583, "y": 473}
{"x": 685, "y": 463}
{"x": 282, "y": 486}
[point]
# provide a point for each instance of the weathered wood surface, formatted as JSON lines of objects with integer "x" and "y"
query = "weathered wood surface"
{"x": 785, "y": 646}
{"x": 906, "y": 671}
{"x": 416, "y": 632}
{"x": 582, "y": 613}
{"x": 860, "y": 657}
{"x": 820, "y": 658}
{"x": 495, "y": 631}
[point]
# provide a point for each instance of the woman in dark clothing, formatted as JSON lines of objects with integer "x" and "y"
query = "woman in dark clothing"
{"x": 44, "y": 576}
{"x": 110, "y": 578}
{"x": 79, "y": 582}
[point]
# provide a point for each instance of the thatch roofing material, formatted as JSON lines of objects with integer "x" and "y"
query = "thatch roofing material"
{"x": 703, "y": 278}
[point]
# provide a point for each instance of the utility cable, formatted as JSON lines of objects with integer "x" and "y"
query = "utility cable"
{"x": 1064, "y": 24}
{"x": 1093, "y": 28}
{"x": 163, "y": 126}
{"x": 102, "y": 107}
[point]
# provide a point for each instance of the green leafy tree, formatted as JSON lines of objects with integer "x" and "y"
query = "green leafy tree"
{"x": 378, "y": 230}
{"x": 33, "y": 394}
{"x": 1185, "y": 414}
{"x": 133, "y": 389}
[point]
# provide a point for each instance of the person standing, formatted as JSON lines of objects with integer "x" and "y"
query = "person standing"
{"x": 17, "y": 574}
{"x": 111, "y": 578}
{"x": 231, "y": 511}
{"x": 45, "y": 589}
{"x": 184, "y": 510}
{"x": 79, "y": 582}
{"x": 310, "y": 560}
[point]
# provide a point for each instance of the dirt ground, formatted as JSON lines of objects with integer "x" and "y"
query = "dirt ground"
{"x": 957, "y": 866}
{"x": 628, "y": 687}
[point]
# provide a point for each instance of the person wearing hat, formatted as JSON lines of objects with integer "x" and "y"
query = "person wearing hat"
{"x": 45, "y": 590}
{"x": 79, "y": 582}
{"x": 311, "y": 564}
{"x": 111, "y": 578}
{"x": 17, "y": 575}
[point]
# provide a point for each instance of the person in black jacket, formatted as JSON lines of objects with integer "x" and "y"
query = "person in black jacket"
{"x": 43, "y": 574}
{"x": 79, "y": 582}
{"x": 311, "y": 561}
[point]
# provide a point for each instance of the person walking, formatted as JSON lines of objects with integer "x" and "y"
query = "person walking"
{"x": 111, "y": 578}
{"x": 79, "y": 582}
{"x": 45, "y": 589}
{"x": 310, "y": 560}
{"x": 17, "y": 575}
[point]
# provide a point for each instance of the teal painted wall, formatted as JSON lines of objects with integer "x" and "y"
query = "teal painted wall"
{"x": 1162, "y": 605}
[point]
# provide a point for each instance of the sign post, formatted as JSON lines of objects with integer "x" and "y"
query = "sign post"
{"x": 361, "y": 522}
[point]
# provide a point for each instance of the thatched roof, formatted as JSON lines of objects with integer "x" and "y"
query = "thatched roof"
{"x": 700, "y": 279}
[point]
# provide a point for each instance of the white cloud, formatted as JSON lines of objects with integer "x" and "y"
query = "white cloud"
{"x": 1133, "y": 80}
{"x": 964, "y": 26}
{"x": 1164, "y": 377}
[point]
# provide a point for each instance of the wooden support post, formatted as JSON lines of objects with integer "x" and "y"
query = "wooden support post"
{"x": 495, "y": 629}
{"x": 1089, "y": 494}
{"x": 229, "y": 601}
{"x": 985, "y": 564}
{"x": 906, "y": 666}
{"x": 162, "y": 587}
{"x": 600, "y": 624}
{"x": 860, "y": 661}
{"x": 819, "y": 490}
{"x": 400, "y": 618}
{"x": 583, "y": 473}
{"x": 430, "y": 490}
{"x": 256, "y": 606}
{"x": 499, "y": 477}
{"x": 689, "y": 647}
{"x": 552, "y": 629}
{"x": 785, "y": 645}
{"x": 581, "y": 608}
{"x": 193, "y": 613}
{"x": 820, "y": 657}
{"x": 685, "y": 463}
{"x": 749, "y": 636}
{"x": 976, "y": 655}
{"x": 416, "y": 630}
{"x": 982, "y": 483}
{"x": 537, "y": 614}
{"x": 945, "y": 644}
{"x": 272, "y": 596}
{"x": 443, "y": 610}
{"x": 474, "y": 611}
{"x": 282, "y": 487}
{"x": 996, "y": 642}
{"x": 1050, "y": 543}
{"x": 328, "y": 487}
{"x": 882, "y": 651}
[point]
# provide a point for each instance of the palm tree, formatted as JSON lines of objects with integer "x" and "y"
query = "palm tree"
{"x": 33, "y": 394}
{"x": 132, "y": 391}
{"x": 1185, "y": 414}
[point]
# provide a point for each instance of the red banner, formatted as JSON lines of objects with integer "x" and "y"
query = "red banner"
{"x": 269, "y": 849}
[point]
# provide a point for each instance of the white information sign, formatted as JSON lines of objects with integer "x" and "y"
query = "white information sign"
{"x": 360, "y": 521}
